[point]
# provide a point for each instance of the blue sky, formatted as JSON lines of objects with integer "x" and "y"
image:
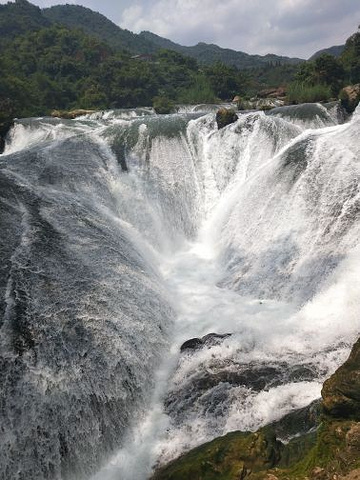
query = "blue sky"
{"x": 285, "y": 27}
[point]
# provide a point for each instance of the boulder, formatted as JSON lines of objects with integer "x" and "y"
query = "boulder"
{"x": 225, "y": 116}
{"x": 208, "y": 340}
{"x": 232, "y": 457}
{"x": 350, "y": 97}
{"x": 341, "y": 392}
{"x": 4, "y": 129}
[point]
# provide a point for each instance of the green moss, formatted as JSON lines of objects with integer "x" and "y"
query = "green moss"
{"x": 226, "y": 458}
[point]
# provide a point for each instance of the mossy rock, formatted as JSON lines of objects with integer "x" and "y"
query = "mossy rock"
{"x": 225, "y": 116}
{"x": 231, "y": 457}
{"x": 341, "y": 392}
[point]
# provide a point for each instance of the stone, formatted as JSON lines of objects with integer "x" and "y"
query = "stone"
{"x": 71, "y": 114}
{"x": 350, "y": 97}
{"x": 341, "y": 392}
{"x": 225, "y": 116}
{"x": 207, "y": 340}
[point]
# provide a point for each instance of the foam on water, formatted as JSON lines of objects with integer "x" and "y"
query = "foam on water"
{"x": 251, "y": 230}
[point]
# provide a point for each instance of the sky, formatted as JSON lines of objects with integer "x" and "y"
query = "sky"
{"x": 296, "y": 28}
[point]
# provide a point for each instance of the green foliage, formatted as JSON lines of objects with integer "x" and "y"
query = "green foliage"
{"x": 303, "y": 93}
{"x": 208, "y": 54}
{"x": 226, "y": 81}
{"x": 324, "y": 70}
{"x": 163, "y": 105}
{"x": 351, "y": 58}
{"x": 96, "y": 25}
{"x": 20, "y": 17}
{"x": 199, "y": 92}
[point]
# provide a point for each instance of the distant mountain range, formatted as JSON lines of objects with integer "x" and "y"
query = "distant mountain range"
{"x": 209, "y": 53}
{"x": 335, "y": 51}
{"x": 98, "y": 25}
{"x": 21, "y": 16}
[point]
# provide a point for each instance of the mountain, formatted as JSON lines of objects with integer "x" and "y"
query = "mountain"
{"x": 335, "y": 51}
{"x": 209, "y": 53}
{"x": 97, "y": 25}
{"x": 20, "y": 17}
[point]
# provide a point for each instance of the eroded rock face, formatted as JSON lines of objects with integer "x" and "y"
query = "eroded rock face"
{"x": 341, "y": 392}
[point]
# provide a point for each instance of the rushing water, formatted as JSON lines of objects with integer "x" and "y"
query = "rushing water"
{"x": 125, "y": 234}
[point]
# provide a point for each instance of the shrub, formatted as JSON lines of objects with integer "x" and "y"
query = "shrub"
{"x": 301, "y": 93}
{"x": 163, "y": 105}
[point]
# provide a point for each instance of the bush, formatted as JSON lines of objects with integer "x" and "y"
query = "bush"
{"x": 199, "y": 92}
{"x": 301, "y": 93}
{"x": 163, "y": 105}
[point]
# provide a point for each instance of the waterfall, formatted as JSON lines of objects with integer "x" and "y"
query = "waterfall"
{"x": 124, "y": 234}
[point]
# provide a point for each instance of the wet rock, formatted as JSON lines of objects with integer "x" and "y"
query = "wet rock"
{"x": 341, "y": 392}
{"x": 4, "y": 129}
{"x": 350, "y": 97}
{"x": 192, "y": 344}
{"x": 208, "y": 340}
{"x": 235, "y": 456}
{"x": 225, "y": 116}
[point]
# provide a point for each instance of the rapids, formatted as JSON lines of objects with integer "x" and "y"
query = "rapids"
{"x": 124, "y": 234}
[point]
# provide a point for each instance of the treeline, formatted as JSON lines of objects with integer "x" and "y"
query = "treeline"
{"x": 60, "y": 68}
{"x": 324, "y": 77}
{"x": 46, "y": 66}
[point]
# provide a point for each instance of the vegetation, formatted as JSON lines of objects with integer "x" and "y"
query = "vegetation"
{"x": 303, "y": 93}
{"x": 48, "y": 63}
{"x": 208, "y": 54}
{"x": 323, "y": 77}
{"x": 163, "y": 105}
{"x": 97, "y": 25}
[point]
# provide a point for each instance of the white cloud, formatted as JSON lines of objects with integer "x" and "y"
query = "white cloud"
{"x": 285, "y": 27}
{"x": 292, "y": 27}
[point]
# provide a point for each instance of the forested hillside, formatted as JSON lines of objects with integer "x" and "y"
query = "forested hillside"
{"x": 47, "y": 65}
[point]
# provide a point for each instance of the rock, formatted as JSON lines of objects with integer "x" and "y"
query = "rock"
{"x": 214, "y": 338}
{"x": 207, "y": 340}
{"x": 279, "y": 92}
{"x": 235, "y": 456}
{"x": 260, "y": 104}
{"x": 354, "y": 475}
{"x": 71, "y": 114}
{"x": 350, "y": 97}
{"x": 225, "y": 116}
{"x": 4, "y": 129}
{"x": 341, "y": 392}
{"x": 7, "y": 113}
{"x": 192, "y": 344}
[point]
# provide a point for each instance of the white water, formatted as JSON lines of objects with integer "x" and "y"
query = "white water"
{"x": 314, "y": 333}
{"x": 251, "y": 230}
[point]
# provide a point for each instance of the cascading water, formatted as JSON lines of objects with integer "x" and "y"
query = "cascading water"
{"x": 124, "y": 234}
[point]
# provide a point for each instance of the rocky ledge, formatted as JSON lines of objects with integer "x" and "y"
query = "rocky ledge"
{"x": 71, "y": 114}
{"x": 323, "y": 447}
